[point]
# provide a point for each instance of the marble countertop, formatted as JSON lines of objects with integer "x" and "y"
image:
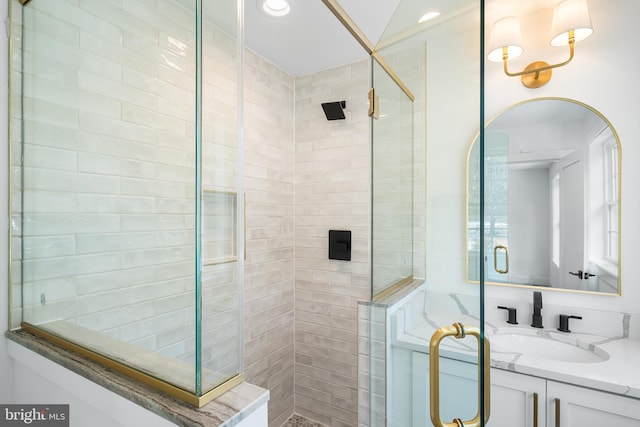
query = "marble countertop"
{"x": 227, "y": 410}
{"x": 615, "y": 373}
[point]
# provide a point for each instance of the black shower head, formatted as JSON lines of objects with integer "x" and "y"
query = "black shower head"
{"x": 333, "y": 110}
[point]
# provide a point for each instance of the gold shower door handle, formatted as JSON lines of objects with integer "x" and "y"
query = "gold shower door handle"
{"x": 457, "y": 330}
{"x": 495, "y": 259}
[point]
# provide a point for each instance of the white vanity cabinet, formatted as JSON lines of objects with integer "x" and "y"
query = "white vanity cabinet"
{"x": 513, "y": 395}
{"x": 458, "y": 391}
{"x": 517, "y": 400}
{"x": 513, "y": 398}
{"x": 572, "y": 406}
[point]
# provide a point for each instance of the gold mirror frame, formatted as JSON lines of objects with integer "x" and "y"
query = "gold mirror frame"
{"x": 619, "y": 190}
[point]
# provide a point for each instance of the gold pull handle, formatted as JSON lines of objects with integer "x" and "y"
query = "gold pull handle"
{"x": 535, "y": 409}
{"x": 458, "y": 330}
{"x": 557, "y": 412}
{"x": 495, "y": 259}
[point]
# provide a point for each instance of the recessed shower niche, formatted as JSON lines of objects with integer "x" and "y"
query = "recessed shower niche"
{"x": 126, "y": 186}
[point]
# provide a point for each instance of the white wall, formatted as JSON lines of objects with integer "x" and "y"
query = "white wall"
{"x": 452, "y": 117}
{"x": 39, "y": 380}
{"x": 529, "y": 212}
{"x": 601, "y": 75}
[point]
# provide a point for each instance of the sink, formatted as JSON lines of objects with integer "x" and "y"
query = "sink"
{"x": 544, "y": 348}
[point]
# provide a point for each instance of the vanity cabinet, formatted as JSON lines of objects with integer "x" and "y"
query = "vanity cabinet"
{"x": 569, "y": 406}
{"x": 516, "y": 399}
{"x": 458, "y": 391}
{"x": 513, "y": 395}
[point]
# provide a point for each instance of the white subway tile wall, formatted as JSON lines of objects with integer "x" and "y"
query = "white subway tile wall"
{"x": 108, "y": 177}
{"x": 332, "y": 190}
{"x": 269, "y": 269}
{"x": 372, "y": 360}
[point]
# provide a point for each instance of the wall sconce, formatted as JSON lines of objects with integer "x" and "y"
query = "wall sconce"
{"x": 571, "y": 24}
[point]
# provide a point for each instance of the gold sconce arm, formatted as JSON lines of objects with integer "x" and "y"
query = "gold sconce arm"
{"x": 538, "y": 73}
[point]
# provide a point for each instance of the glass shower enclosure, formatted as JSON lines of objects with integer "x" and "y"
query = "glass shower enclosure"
{"x": 127, "y": 206}
{"x": 424, "y": 359}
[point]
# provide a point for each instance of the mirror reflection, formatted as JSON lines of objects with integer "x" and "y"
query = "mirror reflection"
{"x": 552, "y": 197}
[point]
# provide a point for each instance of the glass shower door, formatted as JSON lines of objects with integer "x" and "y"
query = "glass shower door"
{"x": 392, "y": 183}
{"x": 428, "y": 358}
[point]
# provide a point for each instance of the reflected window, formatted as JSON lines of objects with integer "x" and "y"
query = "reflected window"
{"x": 555, "y": 219}
{"x": 611, "y": 198}
{"x": 603, "y": 169}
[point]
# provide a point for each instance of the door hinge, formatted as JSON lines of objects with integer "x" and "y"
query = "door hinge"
{"x": 374, "y": 104}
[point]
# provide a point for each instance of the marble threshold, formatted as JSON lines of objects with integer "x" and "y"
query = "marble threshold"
{"x": 227, "y": 410}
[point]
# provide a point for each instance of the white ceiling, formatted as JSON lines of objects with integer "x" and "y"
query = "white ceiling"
{"x": 311, "y": 39}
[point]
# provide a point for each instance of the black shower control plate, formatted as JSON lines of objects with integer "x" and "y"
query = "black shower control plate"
{"x": 340, "y": 245}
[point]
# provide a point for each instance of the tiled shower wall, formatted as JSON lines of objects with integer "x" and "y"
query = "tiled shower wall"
{"x": 330, "y": 168}
{"x": 304, "y": 175}
{"x": 269, "y": 270}
{"x": 109, "y": 131}
{"x": 332, "y": 191}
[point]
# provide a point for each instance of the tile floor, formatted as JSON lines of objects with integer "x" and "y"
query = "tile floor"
{"x": 298, "y": 421}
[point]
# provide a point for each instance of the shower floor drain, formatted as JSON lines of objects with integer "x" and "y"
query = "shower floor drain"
{"x": 298, "y": 421}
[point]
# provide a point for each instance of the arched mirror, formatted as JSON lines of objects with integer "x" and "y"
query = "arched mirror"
{"x": 552, "y": 198}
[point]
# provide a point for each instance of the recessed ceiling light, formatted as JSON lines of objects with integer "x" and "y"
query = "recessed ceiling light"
{"x": 275, "y": 7}
{"x": 427, "y": 16}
